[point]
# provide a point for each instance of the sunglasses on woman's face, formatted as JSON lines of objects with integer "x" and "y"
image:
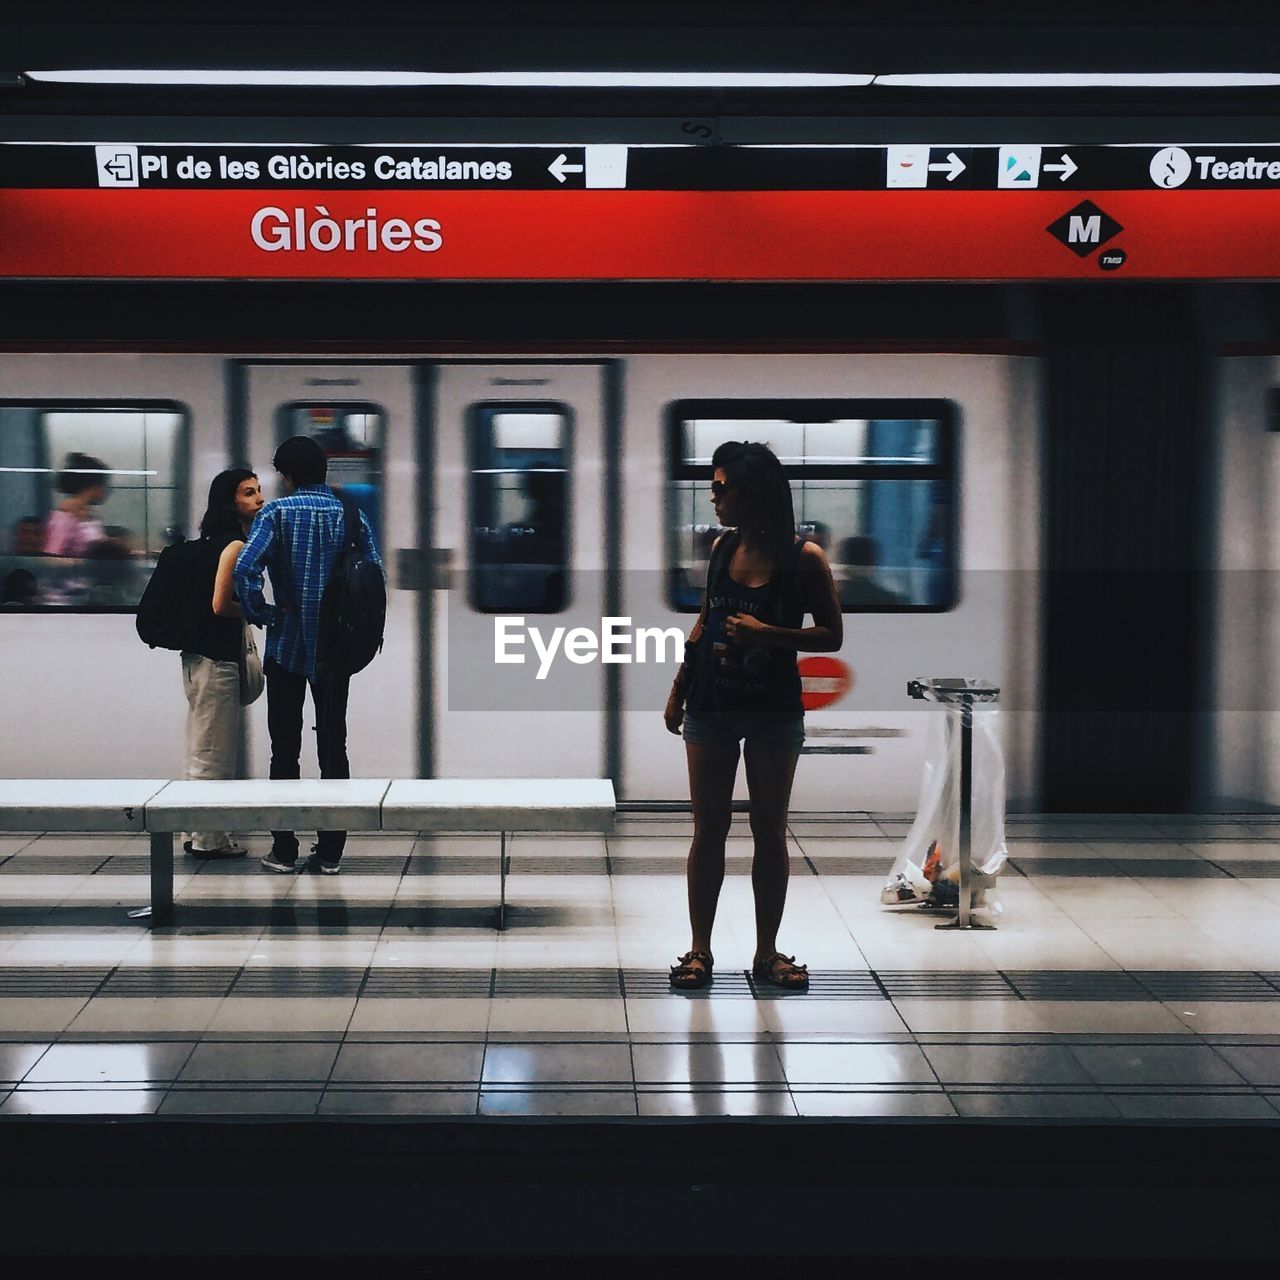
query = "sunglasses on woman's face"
{"x": 719, "y": 488}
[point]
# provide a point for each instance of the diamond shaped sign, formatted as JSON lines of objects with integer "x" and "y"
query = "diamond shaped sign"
{"x": 1084, "y": 228}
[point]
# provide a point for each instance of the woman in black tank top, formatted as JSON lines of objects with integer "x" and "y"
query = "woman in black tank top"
{"x": 739, "y": 683}
{"x": 211, "y": 665}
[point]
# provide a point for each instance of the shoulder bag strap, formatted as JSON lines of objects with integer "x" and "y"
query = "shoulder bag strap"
{"x": 350, "y": 524}
{"x": 725, "y": 547}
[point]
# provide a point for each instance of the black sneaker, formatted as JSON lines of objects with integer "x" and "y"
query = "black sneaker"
{"x": 274, "y": 862}
{"x": 315, "y": 865}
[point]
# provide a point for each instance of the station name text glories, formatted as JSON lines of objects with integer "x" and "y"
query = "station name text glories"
{"x": 294, "y": 230}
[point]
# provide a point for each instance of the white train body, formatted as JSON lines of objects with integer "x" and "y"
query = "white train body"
{"x": 84, "y": 697}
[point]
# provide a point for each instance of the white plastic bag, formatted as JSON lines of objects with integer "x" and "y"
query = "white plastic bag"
{"x": 927, "y": 868}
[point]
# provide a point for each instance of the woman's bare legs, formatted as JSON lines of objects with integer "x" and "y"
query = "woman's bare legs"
{"x": 769, "y": 778}
{"x": 712, "y": 769}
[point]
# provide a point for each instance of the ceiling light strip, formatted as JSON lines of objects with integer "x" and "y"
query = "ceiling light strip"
{"x": 461, "y": 79}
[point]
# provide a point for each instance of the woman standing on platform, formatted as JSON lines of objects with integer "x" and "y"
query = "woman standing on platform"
{"x": 739, "y": 683}
{"x": 213, "y": 670}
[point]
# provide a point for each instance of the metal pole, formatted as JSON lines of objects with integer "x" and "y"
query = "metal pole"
{"x": 502, "y": 882}
{"x": 966, "y": 812}
{"x": 964, "y": 918}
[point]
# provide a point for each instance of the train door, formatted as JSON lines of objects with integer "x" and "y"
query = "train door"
{"x": 519, "y": 506}
{"x": 362, "y": 416}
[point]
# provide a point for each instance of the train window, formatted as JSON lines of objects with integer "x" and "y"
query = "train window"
{"x": 519, "y": 508}
{"x": 872, "y": 481}
{"x": 89, "y": 496}
{"x": 351, "y": 435}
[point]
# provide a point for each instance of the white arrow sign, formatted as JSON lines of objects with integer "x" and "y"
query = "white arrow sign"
{"x": 560, "y": 166}
{"x": 1066, "y": 168}
{"x": 953, "y": 168}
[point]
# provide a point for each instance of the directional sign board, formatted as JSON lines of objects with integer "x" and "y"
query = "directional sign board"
{"x": 596, "y": 212}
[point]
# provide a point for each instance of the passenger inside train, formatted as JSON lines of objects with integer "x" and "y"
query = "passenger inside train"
{"x": 91, "y": 552}
{"x": 71, "y": 527}
{"x": 855, "y": 570}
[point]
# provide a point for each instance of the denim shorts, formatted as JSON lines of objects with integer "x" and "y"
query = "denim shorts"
{"x": 765, "y": 733}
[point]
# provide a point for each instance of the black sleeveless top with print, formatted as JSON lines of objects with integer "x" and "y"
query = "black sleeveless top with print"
{"x": 729, "y": 678}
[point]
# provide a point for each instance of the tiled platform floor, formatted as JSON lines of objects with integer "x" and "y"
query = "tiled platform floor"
{"x": 1135, "y": 975}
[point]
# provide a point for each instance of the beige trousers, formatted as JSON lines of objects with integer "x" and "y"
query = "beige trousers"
{"x": 213, "y": 728}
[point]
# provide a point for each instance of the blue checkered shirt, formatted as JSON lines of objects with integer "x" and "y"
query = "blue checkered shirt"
{"x": 296, "y": 540}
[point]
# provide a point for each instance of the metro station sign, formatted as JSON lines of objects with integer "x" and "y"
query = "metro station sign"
{"x": 723, "y": 213}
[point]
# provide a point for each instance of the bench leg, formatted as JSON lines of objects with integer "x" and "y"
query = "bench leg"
{"x": 161, "y": 878}
{"x": 160, "y": 912}
{"x": 503, "y": 863}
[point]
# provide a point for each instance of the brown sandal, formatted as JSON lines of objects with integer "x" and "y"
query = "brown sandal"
{"x": 686, "y": 977}
{"x": 781, "y": 971}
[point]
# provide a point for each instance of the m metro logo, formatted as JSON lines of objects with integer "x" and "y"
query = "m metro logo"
{"x": 1084, "y": 228}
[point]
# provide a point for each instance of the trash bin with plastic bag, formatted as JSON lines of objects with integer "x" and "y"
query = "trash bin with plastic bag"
{"x": 931, "y": 869}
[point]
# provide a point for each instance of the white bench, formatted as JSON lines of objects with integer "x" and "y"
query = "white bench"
{"x": 437, "y": 805}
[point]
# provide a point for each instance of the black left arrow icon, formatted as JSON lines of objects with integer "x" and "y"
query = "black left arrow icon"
{"x": 120, "y": 167}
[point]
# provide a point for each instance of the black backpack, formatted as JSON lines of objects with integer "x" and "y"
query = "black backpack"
{"x": 353, "y": 608}
{"x": 178, "y": 598}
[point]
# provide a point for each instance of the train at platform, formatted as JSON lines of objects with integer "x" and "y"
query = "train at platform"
{"x": 514, "y": 493}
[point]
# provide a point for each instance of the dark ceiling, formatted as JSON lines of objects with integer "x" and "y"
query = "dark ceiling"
{"x": 913, "y": 35}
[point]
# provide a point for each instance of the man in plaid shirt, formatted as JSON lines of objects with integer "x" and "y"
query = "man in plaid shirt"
{"x": 296, "y": 539}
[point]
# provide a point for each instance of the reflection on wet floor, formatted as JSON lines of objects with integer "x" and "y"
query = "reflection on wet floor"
{"x": 1135, "y": 975}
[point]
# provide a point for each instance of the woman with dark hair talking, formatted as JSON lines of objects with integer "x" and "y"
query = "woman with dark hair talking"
{"x": 739, "y": 683}
{"x": 212, "y": 668}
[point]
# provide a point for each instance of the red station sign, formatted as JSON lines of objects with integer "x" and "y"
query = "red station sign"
{"x": 1208, "y": 228}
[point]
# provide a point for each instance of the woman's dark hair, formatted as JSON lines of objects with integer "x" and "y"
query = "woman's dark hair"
{"x": 755, "y": 473}
{"x": 302, "y": 460}
{"x": 72, "y": 479}
{"x": 221, "y": 518}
